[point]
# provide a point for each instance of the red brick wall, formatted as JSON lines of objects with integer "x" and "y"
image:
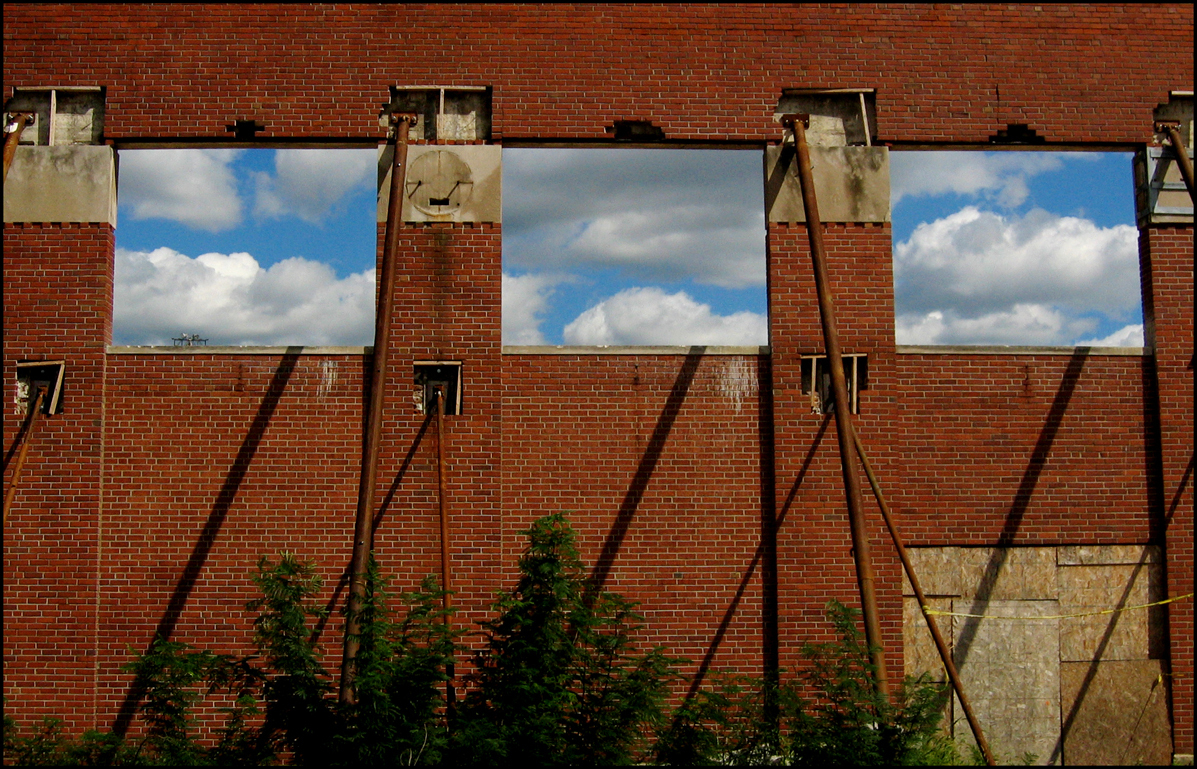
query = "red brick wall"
{"x": 57, "y": 305}
{"x": 1075, "y": 73}
{"x": 717, "y": 505}
{"x": 1167, "y": 261}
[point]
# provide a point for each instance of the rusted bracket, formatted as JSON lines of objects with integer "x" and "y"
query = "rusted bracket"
{"x": 845, "y": 430}
{"x": 1172, "y": 129}
{"x": 14, "y": 124}
{"x": 363, "y": 534}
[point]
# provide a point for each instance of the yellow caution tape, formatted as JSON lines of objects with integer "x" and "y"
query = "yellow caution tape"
{"x": 937, "y": 612}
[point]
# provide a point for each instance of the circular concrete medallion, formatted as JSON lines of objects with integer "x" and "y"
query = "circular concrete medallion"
{"x": 439, "y": 183}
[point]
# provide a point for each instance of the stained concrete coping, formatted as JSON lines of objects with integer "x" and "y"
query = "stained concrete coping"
{"x": 62, "y": 183}
{"x": 203, "y": 349}
{"x": 581, "y": 349}
{"x": 1001, "y": 349}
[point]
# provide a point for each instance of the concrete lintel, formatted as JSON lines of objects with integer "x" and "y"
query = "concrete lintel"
{"x": 63, "y": 183}
{"x": 582, "y": 349}
{"x": 999, "y": 349}
{"x": 233, "y": 350}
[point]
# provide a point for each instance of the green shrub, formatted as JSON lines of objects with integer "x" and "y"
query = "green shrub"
{"x": 559, "y": 680}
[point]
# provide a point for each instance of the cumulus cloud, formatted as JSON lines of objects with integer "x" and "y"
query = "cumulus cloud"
{"x": 231, "y": 299}
{"x": 525, "y": 299}
{"x": 1000, "y": 176}
{"x": 959, "y": 275}
{"x": 1022, "y": 324}
{"x": 1127, "y": 336}
{"x": 656, "y": 215}
{"x": 646, "y": 316}
{"x": 194, "y": 187}
{"x": 310, "y": 184}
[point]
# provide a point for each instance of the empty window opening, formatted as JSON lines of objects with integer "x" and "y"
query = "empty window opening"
{"x": 246, "y": 246}
{"x": 443, "y": 113}
{"x": 431, "y": 376}
{"x": 1162, "y": 197}
{"x": 816, "y": 381}
{"x": 1015, "y": 248}
{"x": 633, "y": 247}
{"x": 62, "y": 115}
{"x": 44, "y": 376}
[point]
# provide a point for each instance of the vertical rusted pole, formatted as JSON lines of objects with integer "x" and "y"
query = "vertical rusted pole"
{"x": 446, "y": 579}
{"x": 843, "y": 409}
{"x": 1169, "y": 127}
{"x": 12, "y": 136}
{"x": 363, "y": 534}
{"x": 11, "y": 494}
{"x": 945, "y": 653}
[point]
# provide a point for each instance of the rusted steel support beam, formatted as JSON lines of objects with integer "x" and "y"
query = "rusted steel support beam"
{"x": 363, "y": 534}
{"x": 843, "y": 413}
{"x": 945, "y": 654}
{"x": 13, "y": 127}
{"x": 1172, "y": 129}
{"x": 446, "y": 574}
{"x": 31, "y": 424}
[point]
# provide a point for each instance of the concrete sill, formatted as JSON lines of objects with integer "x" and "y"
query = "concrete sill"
{"x": 957, "y": 349}
{"x": 201, "y": 349}
{"x": 565, "y": 349}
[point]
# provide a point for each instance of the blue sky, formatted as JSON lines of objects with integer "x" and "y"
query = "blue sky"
{"x": 623, "y": 246}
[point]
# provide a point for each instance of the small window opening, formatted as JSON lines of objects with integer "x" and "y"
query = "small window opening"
{"x": 443, "y": 113}
{"x": 65, "y": 115}
{"x": 816, "y": 381}
{"x": 839, "y": 117}
{"x": 1160, "y": 190}
{"x": 33, "y": 376}
{"x": 433, "y": 375}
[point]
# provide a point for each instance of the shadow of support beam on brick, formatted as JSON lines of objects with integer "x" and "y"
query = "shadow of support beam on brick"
{"x": 207, "y": 538}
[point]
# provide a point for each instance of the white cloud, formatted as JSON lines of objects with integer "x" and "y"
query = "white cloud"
{"x": 1000, "y": 176}
{"x": 194, "y": 187}
{"x": 525, "y": 298}
{"x": 1022, "y": 324}
{"x": 1127, "y": 336}
{"x": 310, "y": 184}
{"x": 657, "y": 215}
{"x": 976, "y": 262}
{"x": 231, "y": 299}
{"x": 645, "y": 316}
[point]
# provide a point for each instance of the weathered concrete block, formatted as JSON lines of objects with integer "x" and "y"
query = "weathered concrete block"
{"x": 1093, "y": 555}
{"x": 1008, "y": 574}
{"x": 937, "y": 569}
{"x": 1115, "y": 713}
{"x": 1135, "y": 634}
{"x": 851, "y": 183}
{"x": 467, "y": 177}
{"x": 67, "y": 183}
{"x": 1010, "y": 669}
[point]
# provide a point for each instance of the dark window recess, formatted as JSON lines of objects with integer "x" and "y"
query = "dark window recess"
{"x": 244, "y": 130}
{"x": 816, "y": 381}
{"x": 1016, "y": 133}
{"x": 431, "y": 375}
{"x": 36, "y": 375}
{"x": 636, "y": 131}
{"x": 443, "y": 113}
